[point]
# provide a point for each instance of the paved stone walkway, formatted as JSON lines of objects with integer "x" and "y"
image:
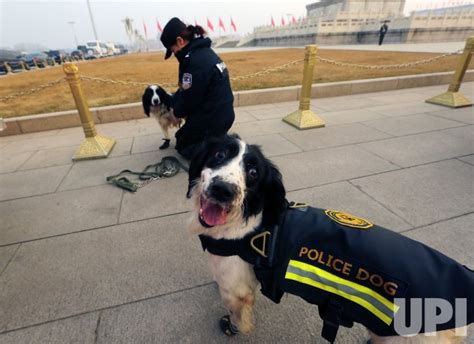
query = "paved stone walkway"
{"x": 85, "y": 262}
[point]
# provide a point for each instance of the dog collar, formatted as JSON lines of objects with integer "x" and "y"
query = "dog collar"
{"x": 250, "y": 248}
{"x": 257, "y": 247}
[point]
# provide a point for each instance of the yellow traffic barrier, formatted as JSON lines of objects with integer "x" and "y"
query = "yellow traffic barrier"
{"x": 304, "y": 118}
{"x": 7, "y": 67}
{"x": 453, "y": 98}
{"x": 94, "y": 146}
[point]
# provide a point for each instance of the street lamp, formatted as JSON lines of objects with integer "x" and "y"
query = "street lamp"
{"x": 92, "y": 20}
{"x": 73, "y": 32}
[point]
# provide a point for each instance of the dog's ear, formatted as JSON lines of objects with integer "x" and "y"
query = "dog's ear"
{"x": 274, "y": 196}
{"x": 146, "y": 103}
{"x": 197, "y": 164}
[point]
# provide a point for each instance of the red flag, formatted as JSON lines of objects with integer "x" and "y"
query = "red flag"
{"x": 221, "y": 24}
{"x": 293, "y": 20}
{"x": 282, "y": 21}
{"x": 232, "y": 24}
{"x": 273, "y": 22}
{"x": 209, "y": 25}
{"x": 158, "y": 26}
{"x": 145, "y": 29}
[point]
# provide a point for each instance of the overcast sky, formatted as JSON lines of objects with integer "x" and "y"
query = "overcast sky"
{"x": 46, "y": 22}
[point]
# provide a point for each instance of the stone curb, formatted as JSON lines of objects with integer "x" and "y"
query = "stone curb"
{"x": 114, "y": 113}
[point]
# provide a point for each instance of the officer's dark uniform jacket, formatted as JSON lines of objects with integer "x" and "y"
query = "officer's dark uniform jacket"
{"x": 204, "y": 97}
{"x": 353, "y": 270}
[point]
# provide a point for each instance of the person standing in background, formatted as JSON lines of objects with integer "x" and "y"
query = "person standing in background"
{"x": 382, "y": 32}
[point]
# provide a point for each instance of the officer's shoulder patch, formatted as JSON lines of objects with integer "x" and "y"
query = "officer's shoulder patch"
{"x": 187, "y": 81}
{"x": 221, "y": 66}
{"x": 347, "y": 219}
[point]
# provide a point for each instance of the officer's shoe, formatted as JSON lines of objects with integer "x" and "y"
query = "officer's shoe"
{"x": 165, "y": 144}
{"x": 227, "y": 327}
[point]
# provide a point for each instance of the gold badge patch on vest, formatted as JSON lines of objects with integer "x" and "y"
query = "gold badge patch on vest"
{"x": 347, "y": 219}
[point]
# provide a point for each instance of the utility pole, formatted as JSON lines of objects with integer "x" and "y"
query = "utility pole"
{"x": 92, "y": 20}
{"x": 74, "y": 32}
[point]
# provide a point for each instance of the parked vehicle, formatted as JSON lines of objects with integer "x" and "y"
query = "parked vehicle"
{"x": 99, "y": 46}
{"x": 77, "y": 55}
{"x": 112, "y": 49}
{"x": 34, "y": 59}
{"x": 57, "y": 55}
{"x": 83, "y": 49}
{"x": 89, "y": 53}
{"x": 7, "y": 54}
{"x": 93, "y": 53}
{"x": 122, "y": 49}
{"x": 3, "y": 69}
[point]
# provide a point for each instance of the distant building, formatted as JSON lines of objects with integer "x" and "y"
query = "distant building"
{"x": 330, "y": 9}
{"x": 358, "y": 21}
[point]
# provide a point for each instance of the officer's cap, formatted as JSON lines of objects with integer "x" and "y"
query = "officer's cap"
{"x": 171, "y": 31}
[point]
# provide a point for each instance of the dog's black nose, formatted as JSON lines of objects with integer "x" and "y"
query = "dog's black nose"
{"x": 222, "y": 191}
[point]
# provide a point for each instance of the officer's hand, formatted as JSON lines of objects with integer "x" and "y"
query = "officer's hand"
{"x": 174, "y": 120}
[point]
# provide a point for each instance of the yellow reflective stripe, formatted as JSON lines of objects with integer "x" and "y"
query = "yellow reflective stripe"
{"x": 358, "y": 300}
{"x": 337, "y": 279}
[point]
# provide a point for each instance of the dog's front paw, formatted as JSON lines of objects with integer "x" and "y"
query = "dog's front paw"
{"x": 165, "y": 144}
{"x": 227, "y": 327}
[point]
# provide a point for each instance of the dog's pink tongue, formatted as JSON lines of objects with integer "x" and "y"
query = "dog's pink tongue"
{"x": 213, "y": 214}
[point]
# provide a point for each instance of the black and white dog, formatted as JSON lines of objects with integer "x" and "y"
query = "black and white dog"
{"x": 157, "y": 101}
{"x": 235, "y": 189}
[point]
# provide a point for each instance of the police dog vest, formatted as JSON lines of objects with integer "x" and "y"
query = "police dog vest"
{"x": 351, "y": 268}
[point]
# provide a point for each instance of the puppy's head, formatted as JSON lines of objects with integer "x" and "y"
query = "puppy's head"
{"x": 231, "y": 182}
{"x": 154, "y": 96}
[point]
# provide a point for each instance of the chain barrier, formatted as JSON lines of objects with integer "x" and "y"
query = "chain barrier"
{"x": 32, "y": 90}
{"x": 266, "y": 71}
{"x": 241, "y": 77}
{"x": 238, "y": 78}
{"x": 123, "y": 82}
{"x": 382, "y": 67}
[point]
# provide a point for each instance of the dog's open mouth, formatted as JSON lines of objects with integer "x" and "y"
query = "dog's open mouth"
{"x": 211, "y": 213}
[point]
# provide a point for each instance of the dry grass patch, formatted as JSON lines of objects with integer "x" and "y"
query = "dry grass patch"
{"x": 150, "y": 67}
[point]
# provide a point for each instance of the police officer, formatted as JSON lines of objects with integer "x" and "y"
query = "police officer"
{"x": 204, "y": 96}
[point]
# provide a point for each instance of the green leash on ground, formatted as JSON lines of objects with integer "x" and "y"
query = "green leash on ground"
{"x": 169, "y": 166}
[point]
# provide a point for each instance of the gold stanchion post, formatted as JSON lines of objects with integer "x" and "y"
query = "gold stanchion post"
{"x": 453, "y": 98}
{"x": 304, "y": 118}
{"x": 7, "y": 67}
{"x": 94, "y": 146}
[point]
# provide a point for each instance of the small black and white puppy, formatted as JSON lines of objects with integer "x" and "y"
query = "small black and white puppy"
{"x": 157, "y": 101}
